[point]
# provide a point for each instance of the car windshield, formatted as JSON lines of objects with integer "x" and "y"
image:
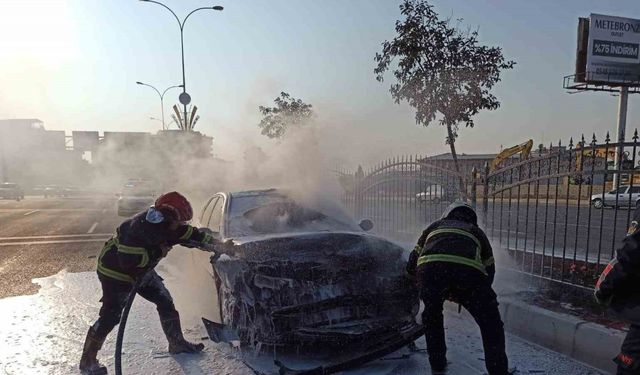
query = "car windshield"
{"x": 273, "y": 213}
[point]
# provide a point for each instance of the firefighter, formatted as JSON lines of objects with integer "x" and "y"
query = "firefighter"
{"x": 132, "y": 253}
{"x": 453, "y": 260}
{"x": 617, "y": 288}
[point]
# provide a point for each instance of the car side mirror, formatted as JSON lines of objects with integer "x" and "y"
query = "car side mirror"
{"x": 366, "y": 225}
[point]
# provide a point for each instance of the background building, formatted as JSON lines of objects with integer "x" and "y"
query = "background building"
{"x": 30, "y": 154}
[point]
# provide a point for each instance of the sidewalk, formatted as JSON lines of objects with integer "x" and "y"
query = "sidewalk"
{"x": 586, "y": 341}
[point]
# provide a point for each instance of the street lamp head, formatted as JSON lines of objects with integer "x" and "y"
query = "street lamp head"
{"x": 217, "y": 7}
{"x": 138, "y": 82}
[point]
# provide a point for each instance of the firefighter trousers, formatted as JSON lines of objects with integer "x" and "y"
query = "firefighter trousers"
{"x": 629, "y": 358}
{"x": 114, "y": 297}
{"x": 440, "y": 281}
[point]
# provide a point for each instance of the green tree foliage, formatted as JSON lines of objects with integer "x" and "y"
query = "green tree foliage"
{"x": 287, "y": 112}
{"x": 441, "y": 70}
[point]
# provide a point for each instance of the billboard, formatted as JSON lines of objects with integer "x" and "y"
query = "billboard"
{"x": 85, "y": 140}
{"x": 613, "y": 50}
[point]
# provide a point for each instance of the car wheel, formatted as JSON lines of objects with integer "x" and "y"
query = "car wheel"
{"x": 597, "y": 203}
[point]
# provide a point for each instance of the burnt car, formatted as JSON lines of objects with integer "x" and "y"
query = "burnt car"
{"x": 299, "y": 276}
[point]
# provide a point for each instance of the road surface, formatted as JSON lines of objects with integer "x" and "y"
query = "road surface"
{"x": 39, "y": 237}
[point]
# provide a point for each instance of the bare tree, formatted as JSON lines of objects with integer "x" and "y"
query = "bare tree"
{"x": 441, "y": 71}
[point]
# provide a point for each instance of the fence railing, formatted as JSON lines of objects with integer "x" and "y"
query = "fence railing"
{"x": 559, "y": 215}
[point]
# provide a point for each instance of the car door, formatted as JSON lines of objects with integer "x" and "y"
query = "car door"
{"x": 208, "y": 208}
{"x": 216, "y": 218}
{"x": 616, "y": 196}
{"x": 635, "y": 195}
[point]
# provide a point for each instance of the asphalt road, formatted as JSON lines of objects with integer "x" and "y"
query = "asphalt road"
{"x": 39, "y": 237}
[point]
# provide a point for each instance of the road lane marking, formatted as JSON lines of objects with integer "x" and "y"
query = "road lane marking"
{"x": 51, "y": 242}
{"x": 31, "y": 212}
{"x": 60, "y": 236}
{"x": 93, "y": 227}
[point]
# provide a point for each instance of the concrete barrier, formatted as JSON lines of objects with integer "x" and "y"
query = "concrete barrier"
{"x": 587, "y": 342}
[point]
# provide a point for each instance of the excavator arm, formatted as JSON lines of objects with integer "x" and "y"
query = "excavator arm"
{"x": 524, "y": 149}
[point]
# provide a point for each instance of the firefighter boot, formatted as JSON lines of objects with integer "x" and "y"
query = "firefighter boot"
{"x": 438, "y": 365}
{"x": 177, "y": 342}
{"x": 89, "y": 364}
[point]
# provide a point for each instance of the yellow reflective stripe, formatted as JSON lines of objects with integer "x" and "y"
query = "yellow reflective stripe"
{"x": 187, "y": 234}
{"x": 452, "y": 259}
{"x": 145, "y": 260}
{"x": 489, "y": 262}
{"x": 134, "y": 251}
{"x": 114, "y": 274}
{"x": 109, "y": 272}
{"x": 462, "y": 233}
{"x": 105, "y": 248}
{"x": 456, "y": 231}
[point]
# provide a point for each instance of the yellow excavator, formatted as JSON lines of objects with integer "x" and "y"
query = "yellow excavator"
{"x": 609, "y": 155}
{"x": 524, "y": 149}
{"x": 600, "y": 152}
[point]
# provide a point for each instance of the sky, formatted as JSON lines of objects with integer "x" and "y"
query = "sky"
{"x": 74, "y": 63}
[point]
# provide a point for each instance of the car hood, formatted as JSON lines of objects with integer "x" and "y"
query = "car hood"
{"x": 300, "y": 246}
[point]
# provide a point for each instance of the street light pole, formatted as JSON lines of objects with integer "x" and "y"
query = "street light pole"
{"x": 161, "y": 97}
{"x": 185, "y": 99}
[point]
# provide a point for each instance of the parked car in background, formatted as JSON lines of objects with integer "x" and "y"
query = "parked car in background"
{"x": 432, "y": 193}
{"x": 10, "y": 190}
{"x": 135, "y": 198}
{"x": 624, "y": 196}
{"x": 49, "y": 191}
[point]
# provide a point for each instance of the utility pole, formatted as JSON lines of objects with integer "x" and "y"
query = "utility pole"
{"x": 621, "y": 128}
{"x": 3, "y": 163}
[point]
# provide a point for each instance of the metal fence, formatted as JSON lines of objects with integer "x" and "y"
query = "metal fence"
{"x": 559, "y": 215}
{"x": 401, "y": 195}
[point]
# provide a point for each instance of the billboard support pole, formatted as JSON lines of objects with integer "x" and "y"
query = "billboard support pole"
{"x": 622, "y": 125}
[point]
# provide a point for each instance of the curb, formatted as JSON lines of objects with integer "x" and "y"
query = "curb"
{"x": 587, "y": 342}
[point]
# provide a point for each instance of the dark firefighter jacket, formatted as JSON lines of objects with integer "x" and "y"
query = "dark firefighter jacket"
{"x": 137, "y": 246}
{"x": 619, "y": 281}
{"x": 454, "y": 241}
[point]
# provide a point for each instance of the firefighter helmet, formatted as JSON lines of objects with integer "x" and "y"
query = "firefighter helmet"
{"x": 461, "y": 211}
{"x": 175, "y": 205}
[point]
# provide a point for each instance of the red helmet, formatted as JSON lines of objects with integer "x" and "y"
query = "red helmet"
{"x": 175, "y": 205}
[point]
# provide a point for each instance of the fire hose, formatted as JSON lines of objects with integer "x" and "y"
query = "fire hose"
{"x": 132, "y": 296}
